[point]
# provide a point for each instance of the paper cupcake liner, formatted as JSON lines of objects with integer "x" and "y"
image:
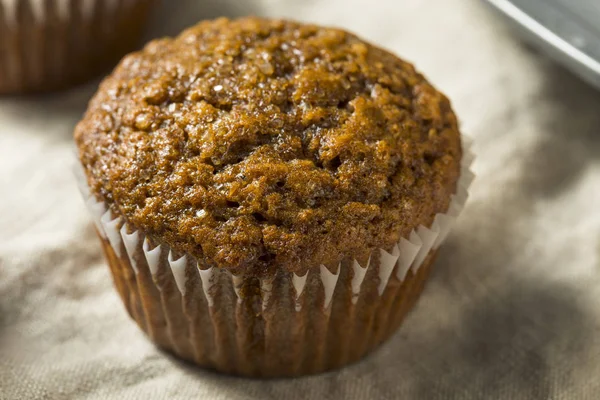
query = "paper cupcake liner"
{"x": 51, "y": 44}
{"x": 285, "y": 325}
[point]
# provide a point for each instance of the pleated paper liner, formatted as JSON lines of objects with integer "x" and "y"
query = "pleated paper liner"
{"x": 53, "y": 44}
{"x": 285, "y": 325}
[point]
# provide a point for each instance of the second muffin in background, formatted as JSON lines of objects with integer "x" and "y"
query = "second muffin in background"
{"x": 51, "y": 44}
{"x": 270, "y": 195}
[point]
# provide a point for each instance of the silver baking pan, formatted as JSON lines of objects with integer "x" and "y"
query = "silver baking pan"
{"x": 568, "y": 30}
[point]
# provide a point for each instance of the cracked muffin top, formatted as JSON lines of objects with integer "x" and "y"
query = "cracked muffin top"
{"x": 259, "y": 145}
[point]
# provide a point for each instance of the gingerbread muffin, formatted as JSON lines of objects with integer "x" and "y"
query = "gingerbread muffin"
{"x": 270, "y": 195}
{"x": 53, "y": 44}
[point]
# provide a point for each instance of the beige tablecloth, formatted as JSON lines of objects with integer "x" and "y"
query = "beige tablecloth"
{"x": 513, "y": 308}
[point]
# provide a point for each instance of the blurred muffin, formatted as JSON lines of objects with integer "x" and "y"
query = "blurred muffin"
{"x": 52, "y": 44}
{"x": 269, "y": 195}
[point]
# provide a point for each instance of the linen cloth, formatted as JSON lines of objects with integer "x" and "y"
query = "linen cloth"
{"x": 512, "y": 310}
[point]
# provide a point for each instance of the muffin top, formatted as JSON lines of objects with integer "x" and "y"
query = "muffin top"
{"x": 256, "y": 145}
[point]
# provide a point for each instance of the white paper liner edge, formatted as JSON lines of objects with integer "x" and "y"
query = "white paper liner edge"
{"x": 130, "y": 240}
{"x": 409, "y": 248}
{"x": 111, "y": 229}
{"x": 299, "y": 282}
{"x": 152, "y": 256}
{"x": 387, "y": 262}
{"x": 207, "y": 282}
{"x": 329, "y": 281}
{"x": 358, "y": 278}
{"x": 178, "y": 270}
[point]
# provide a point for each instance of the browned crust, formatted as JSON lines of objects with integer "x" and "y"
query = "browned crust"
{"x": 260, "y": 146}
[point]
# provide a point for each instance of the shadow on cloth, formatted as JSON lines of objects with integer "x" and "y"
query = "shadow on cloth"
{"x": 572, "y": 141}
{"x": 505, "y": 344}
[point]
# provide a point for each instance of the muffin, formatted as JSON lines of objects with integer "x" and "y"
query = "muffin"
{"x": 52, "y": 44}
{"x": 269, "y": 195}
